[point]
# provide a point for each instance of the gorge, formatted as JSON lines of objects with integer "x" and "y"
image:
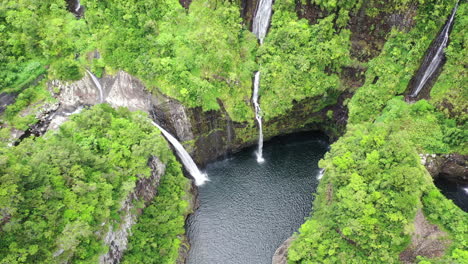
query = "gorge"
{"x": 248, "y": 210}
{"x": 114, "y": 113}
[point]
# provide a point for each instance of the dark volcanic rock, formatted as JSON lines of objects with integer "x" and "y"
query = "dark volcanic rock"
{"x": 6, "y": 99}
{"x": 452, "y": 167}
{"x": 145, "y": 190}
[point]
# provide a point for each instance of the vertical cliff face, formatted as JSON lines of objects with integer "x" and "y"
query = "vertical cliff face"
{"x": 206, "y": 135}
{"x": 75, "y": 8}
{"x": 145, "y": 190}
{"x": 248, "y": 9}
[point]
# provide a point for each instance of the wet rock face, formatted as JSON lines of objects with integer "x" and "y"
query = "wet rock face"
{"x": 120, "y": 90}
{"x": 452, "y": 167}
{"x": 214, "y": 134}
{"x": 145, "y": 190}
{"x": 248, "y": 10}
{"x": 172, "y": 116}
{"x": 369, "y": 34}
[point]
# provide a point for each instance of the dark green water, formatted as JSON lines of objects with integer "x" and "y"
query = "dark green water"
{"x": 248, "y": 209}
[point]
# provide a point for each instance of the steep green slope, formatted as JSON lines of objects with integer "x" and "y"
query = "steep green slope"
{"x": 37, "y": 38}
{"x": 299, "y": 60}
{"x": 195, "y": 56}
{"x": 60, "y": 193}
{"x": 374, "y": 182}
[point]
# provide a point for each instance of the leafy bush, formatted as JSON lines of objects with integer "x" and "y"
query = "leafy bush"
{"x": 299, "y": 60}
{"x": 57, "y": 190}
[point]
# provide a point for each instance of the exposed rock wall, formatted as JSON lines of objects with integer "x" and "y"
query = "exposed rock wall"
{"x": 206, "y": 135}
{"x": 248, "y": 10}
{"x": 453, "y": 167}
{"x": 145, "y": 190}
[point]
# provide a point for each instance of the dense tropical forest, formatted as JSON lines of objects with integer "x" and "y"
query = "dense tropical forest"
{"x": 344, "y": 67}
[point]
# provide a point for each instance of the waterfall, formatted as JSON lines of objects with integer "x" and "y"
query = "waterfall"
{"x": 262, "y": 19}
{"x": 321, "y": 173}
{"x": 260, "y": 25}
{"x": 188, "y": 162}
{"x": 78, "y": 6}
{"x": 98, "y": 85}
{"x": 258, "y": 116}
{"x": 434, "y": 57}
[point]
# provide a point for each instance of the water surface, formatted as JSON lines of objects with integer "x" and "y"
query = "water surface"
{"x": 248, "y": 209}
{"x": 458, "y": 193}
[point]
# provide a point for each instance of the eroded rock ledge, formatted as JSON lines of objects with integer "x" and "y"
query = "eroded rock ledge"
{"x": 452, "y": 167}
{"x": 207, "y": 135}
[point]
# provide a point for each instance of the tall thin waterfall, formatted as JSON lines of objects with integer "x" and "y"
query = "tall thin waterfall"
{"x": 188, "y": 162}
{"x": 78, "y": 6}
{"x": 261, "y": 20}
{"x": 434, "y": 57}
{"x": 98, "y": 86}
{"x": 258, "y": 116}
{"x": 260, "y": 25}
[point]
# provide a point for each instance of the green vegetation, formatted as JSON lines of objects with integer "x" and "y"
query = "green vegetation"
{"x": 195, "y": 57}
{"x": 449, "y": 92}
{"x": 156, "y": 237}
{"x": 372, "y": 187}
{"x": 37, "y": 39}
{"x": 443, "y": 212}
{"x": 389, "y": 73}
{"x": 366, "y": 200}
{"x": 56, "y": 190}
{"x": 374, "y": 182}
{"x": 299, "y": 60}
{"x": 34, "y": 34}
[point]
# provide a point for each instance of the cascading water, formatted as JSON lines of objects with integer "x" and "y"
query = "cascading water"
{"x": 434, "y": 57}
{"x": 260, "y": 25}
{"x": 261, "y": 20}
{"x": 78, "y": 6}
{"x": 98, "y": 86}
{"x": 321, "y": 173}
{"x": 258, "y": 116}
{"x": 188, "y": 162}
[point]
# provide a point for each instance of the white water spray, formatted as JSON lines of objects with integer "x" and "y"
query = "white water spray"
{"x": 98, "y": 86}
{"x": 78, "y": 6}
{"x": 438, "y": 56}
{"x": 188, "y": 162}
{"x": 261, "y": 20}
{"x": 258, "y": 116}
{"x": 321, "y": 173}
{"x": 260, "y": 25}
{"x": 465, "y": 189}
